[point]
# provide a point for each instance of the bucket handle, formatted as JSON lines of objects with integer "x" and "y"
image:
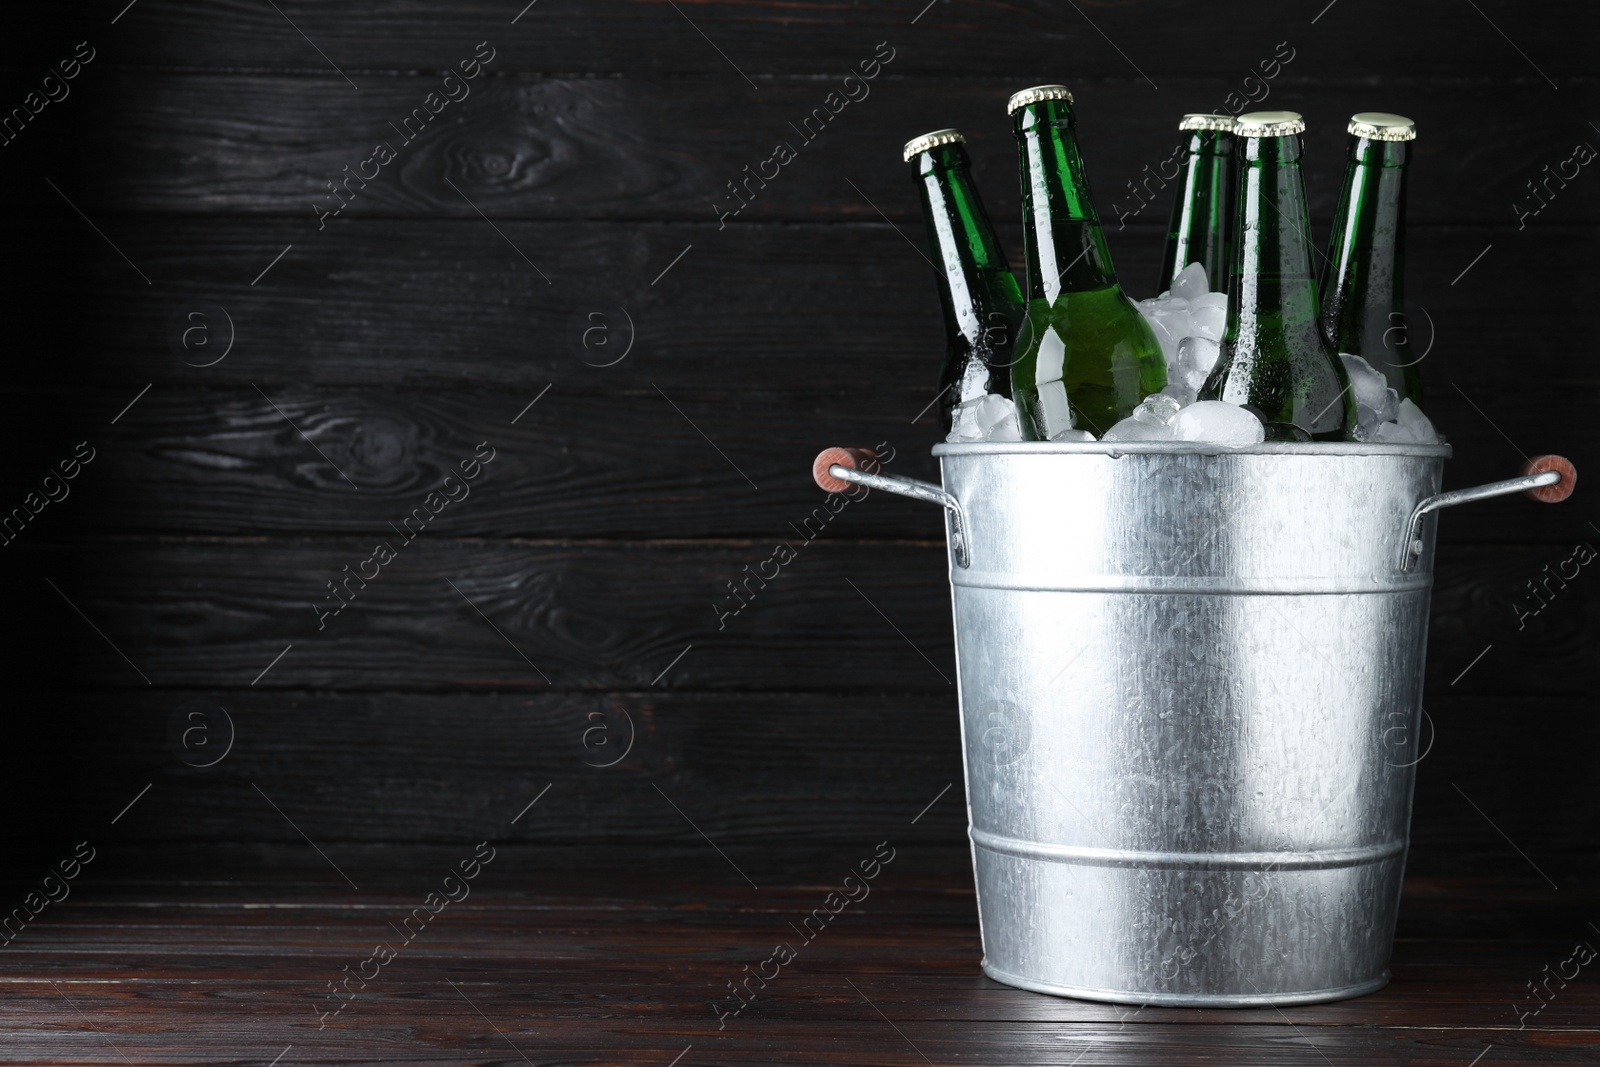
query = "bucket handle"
{"x": 1547, "y": 479}
{"x": 836, "y": 469}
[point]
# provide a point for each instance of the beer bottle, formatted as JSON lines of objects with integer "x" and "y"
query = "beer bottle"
{"x": 1363, "y": 278}
{"x": 1274, "y": 357}
{"x": 979, "y": 295}
{"x": 1085, "y": 357}
{"x": 1201, "y": 228}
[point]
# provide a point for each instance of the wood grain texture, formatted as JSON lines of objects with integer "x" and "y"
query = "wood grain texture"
{"x": 215, "y": 613}
{"x": 451, "y": 303}
{"x": 1033, "y": 41}
{"x": 370, "y": 357}
{"x": 229, "y": 460}
{"x": 226, "y": 963}
{"x": 525, "y": 147}
{"x": 768, "y": 772}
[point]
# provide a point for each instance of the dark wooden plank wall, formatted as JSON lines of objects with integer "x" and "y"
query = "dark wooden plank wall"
{"x": 599, "y": 140}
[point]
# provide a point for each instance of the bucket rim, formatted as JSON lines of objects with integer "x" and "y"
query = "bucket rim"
{"x": 1188, "y": 448}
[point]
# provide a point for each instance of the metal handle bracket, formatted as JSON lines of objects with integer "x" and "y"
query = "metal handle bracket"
{"x": 916, "y": 489}
{"x": 1413, "y": 546}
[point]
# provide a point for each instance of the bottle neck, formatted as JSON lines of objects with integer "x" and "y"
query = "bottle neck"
{"x": 1272, "y": 278}
{"x": 1065, "y": 246}
{"x": 968, "y": 258}
{"x": 1201, "y": 228}
{"x": 1364, "y": 274}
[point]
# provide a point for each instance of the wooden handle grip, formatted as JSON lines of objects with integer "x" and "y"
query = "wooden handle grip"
{"x": 1552, "y": 494}
{"x": 854, "y": 458}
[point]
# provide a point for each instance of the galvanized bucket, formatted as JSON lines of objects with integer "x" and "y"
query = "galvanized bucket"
{"x": 1191, "y": 689}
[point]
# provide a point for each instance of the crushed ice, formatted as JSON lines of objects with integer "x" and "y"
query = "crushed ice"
{"x": 1382, "y": 417}
{"x": 1188, "y": 322}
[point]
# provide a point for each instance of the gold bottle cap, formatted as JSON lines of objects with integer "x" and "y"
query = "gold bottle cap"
{"x": 1036, "y": 94}
{"x": 1269, "y": 124}
{"x": 917, "y": 145}
{"x": 1196, "y": 121}
{"x": 1382, "y": 126}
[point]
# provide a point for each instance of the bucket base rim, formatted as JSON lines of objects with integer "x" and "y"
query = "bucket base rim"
{"x": 1189, "y": 1000}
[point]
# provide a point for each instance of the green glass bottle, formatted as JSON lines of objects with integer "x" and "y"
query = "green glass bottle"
{"x": 979, "y": 295}
{"x": 1363, "y": 278}
{"x": 1201, "y": 228}
{"x": 1085, "y": 357}
{"x": 1274, "y": 357}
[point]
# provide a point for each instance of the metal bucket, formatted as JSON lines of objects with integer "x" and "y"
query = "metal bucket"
{"x": 1191, "y": 689}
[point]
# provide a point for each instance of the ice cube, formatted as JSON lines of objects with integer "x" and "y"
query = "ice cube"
{"x": 1007, "y": 429}
{"x": 1192, "y": 363}
{"x": 1392, "y": 433}
{"x": 1411, "y": 428}
{"x": 1150, "y": 421}
{"x": 1132, "y": 429}
{"x": 1180, "y": 392}
{"x": 1421, "y": 426}
{"x": 990, "y": 417}
{"x": 1157, "y": 407}
{"x": 1389, "y": 408}
{"x": 964, "y": 423}
{"x": 1208, "y": 316}
{"x": 991, "y": 409}
{"x": 1190, "y": 282}
{"x": 1218, "y": 422}
{"x": 1072, "y": 435}
{"x": 1376, "y": 403}
{"x": 1169, "y": 321}
{"x": 997, "y": 415}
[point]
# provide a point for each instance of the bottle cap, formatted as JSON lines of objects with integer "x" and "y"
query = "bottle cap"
{"x": 1196, "y": 121}
{"x": 1036, "y": 94}
{"x": 1269, "y": 124}
{"x": 1382, "y": 126}
{"x": 918, "y": 145}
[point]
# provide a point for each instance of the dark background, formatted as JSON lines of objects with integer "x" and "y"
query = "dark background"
{"x": 597, "y": 542}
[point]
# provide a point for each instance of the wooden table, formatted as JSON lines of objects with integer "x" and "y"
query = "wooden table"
{"x": 227, "y": 955}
